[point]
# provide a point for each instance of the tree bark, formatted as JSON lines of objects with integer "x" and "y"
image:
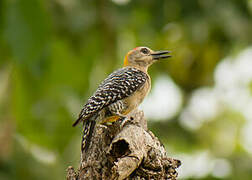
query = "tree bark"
{"x": 127, "y": 152}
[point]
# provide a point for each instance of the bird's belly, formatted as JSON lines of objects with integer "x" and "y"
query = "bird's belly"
{"x": 136, "y": 99}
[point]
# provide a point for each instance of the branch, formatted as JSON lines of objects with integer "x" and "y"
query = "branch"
{"x": 130, "y": 152}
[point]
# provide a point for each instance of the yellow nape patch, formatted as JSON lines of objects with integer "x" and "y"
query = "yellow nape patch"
{"x": 126, "y": 61}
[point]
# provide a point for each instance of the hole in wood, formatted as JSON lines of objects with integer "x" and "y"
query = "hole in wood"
{"x": 120, "y": 148}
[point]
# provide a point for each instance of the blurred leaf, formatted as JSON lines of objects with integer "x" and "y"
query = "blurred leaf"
{"x": 27, "y": 29}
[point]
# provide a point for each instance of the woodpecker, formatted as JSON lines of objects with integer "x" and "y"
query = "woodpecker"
{"x": 120, "y": 93}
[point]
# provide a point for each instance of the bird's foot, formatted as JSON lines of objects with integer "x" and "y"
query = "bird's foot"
{"x": 125, "y": 121}
{"x": 105, "y": 126}
{"x": 122, "y": 116}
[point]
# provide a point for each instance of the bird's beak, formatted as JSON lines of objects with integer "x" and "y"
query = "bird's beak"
{"x": 160, "y": 55}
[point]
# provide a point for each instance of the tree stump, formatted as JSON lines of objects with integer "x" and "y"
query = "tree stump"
{"x": 128, "y": 152}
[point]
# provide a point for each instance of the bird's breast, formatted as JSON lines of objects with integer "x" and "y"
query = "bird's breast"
{"x": 136, "y": 99}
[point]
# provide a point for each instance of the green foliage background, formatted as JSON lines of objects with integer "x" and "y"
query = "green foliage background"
{"x": 54, "y": 53}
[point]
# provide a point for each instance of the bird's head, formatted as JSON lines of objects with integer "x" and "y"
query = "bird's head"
{"x": 143, "y": 57}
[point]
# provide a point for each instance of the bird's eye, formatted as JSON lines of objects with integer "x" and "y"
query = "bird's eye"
{"x": 144, "y": 51}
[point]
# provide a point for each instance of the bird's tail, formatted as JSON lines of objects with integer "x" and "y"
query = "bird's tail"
{"x": 87, "y": 132}
{"x": 77, "y": 121}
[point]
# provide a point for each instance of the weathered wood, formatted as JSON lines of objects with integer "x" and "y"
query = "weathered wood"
{"x": 128, "y": 152}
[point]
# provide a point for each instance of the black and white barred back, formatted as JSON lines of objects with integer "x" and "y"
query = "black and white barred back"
{"x": 117, "y": 86}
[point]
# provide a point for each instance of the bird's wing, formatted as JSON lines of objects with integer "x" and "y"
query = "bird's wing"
{"x": 117, "y": 86}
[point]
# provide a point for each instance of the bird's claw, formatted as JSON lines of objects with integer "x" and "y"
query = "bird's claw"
{"x": 125, "y": 121}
